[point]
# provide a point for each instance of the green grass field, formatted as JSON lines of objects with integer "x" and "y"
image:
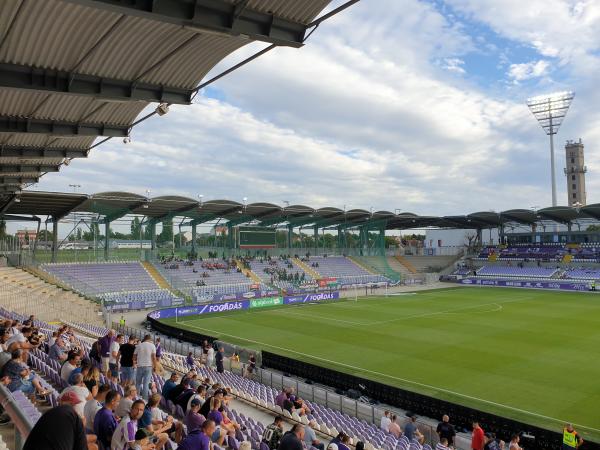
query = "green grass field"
{"x": 525, "y": 354}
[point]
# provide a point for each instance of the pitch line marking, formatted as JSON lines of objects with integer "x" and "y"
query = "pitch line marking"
{"x": 404, "y": 380}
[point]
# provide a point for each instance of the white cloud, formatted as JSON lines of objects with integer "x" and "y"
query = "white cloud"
{"x": 527, "y": 71}
{"x": 454, "y": 65}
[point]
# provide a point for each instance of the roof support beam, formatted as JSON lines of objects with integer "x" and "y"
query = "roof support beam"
{"x": 18, "y": 180}
{"x": 212, "y": 16}
{"x": 60, "y": 128}
{"x": 39, "y": 152}
{"x": 16, "y": 168}
{"x": 15, "y": 188}
{"x": 69, "y": 210}
{"x": 46, "y": 80}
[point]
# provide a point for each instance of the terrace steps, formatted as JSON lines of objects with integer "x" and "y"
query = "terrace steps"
{"x": 248, "y": 273}
{"x": 362, "y": 265}
{"x": 406, "y": 263}
{"x": 156, "y": 276}
{"x": 309, "y": 270}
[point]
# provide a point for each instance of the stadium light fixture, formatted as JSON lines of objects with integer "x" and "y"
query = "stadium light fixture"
{"x": 200, "y": 197}
{"x": 550, "y": 111}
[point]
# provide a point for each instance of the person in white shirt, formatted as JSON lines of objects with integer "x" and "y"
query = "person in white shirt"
{"x": 200, "y": 395}
{"x": 81, "y": 391}
{"x": 385, "y": 421}
{"x": 210, "y": 357}
{"x": 73, "y": 361}
{"x": 114, "y": 356}
{"x": 93, "y": 405}
{"x": 124, "y": 436}
{"x": 144, "y": 357}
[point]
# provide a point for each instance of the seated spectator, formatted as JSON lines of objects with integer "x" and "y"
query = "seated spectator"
{"x": 199, "y": 439}
{"x": 21, "y": 378}
{"x": 125, "y": 404}
{"x": 21, "y": 338}
{"x": 142, "y": 440}
{"x": 442, "y": 445}
{"x": 124, "y": 435}
{"x": 273, "y": 433}
{"x": 92, "y": 406}
{"x": 193, "y": 419}
{"x": 57, "y": 351}
{"x": 199, "y": 396}
{"x": 156, "y": 428}
{"x": 281, "y": 397}
{"x": 45, "y": 435}
{"x": 187, "y": 393}
{"x": 83, "y": 369}
{"x": 177, "y": 390}
{"x": 394, "y": 427}
{"x": 170, "y": 384}
{"x": 292, "y": 440}
{"x": 344, "y": 443}
{"x": 310, "y": 437}
{"x": 105, "y": 422}
{"x": 72, "y": 362}
{"x": 385, "y": 421}
{"x": 81, "y": 391}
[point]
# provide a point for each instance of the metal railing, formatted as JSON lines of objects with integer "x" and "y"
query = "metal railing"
{"x": 20, "y": 420}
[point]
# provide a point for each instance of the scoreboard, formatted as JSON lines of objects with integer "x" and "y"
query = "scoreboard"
{"x": 256, "y": 237}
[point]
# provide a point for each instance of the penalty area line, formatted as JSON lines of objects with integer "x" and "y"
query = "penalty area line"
{"x": 404, "y": 380}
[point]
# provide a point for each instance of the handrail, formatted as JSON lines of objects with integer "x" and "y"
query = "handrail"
{"x": 21, "y": 421}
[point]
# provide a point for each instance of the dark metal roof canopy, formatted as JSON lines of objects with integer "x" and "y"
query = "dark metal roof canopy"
{"x": 105, "y": 61}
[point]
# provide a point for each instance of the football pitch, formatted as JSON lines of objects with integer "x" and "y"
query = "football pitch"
{"x": 526, "y": 354}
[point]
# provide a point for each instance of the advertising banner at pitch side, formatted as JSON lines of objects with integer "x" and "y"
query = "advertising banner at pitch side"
{"x": 311, "y": 298}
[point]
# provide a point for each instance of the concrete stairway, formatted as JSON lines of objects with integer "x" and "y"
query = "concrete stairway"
{"x": 309, "y": 270}
{"x": 406, "y": 264}
{"x": 248, "y": 272}
{"x": 362, "y": 265}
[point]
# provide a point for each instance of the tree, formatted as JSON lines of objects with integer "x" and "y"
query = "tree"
{"x": 88, "y": 235}
{"x": 136, "y": 227}
{"x": 166, "y": 235}
{"x": 45, "y": 235}
{"x": 593, "y": 228}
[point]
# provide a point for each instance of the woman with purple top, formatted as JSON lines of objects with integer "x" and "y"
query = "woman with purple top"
{"x": 158, "y": 348}
{"x": 190, "y": 361}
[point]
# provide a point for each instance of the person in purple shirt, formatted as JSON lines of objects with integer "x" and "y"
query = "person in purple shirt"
{"x": 105, "y": 422}
{"x": 190, "y": 361}
{"x": 199, "y": 439}
{"x": 214, "y": 414}
{"x": 193, "y": 419}
{"x": 158, "y": 348}
{"x": 105, "y": 343}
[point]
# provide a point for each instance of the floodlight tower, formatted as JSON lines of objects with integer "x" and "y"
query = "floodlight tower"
{"x": 550, "y": 111}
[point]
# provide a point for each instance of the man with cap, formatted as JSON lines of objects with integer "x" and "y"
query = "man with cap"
{"x": 571, "y": 438}
{"x": 193, "y": 419}
{"x": 72, "y": 435}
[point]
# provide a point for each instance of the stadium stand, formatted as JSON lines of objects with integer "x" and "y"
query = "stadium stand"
{"x": 344, "y": 270}
{"x": 281, "y": 272}
{"x": 517, "y": 272}
{"x": 24, "y": 293}
{"x": 429, "y": 263}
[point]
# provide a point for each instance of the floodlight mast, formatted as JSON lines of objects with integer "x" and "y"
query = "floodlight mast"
{"x": 550, "y": 111}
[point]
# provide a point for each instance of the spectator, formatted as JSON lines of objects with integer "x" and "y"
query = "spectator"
{"x": 206, "y": 407}
{"x": 394, "y": 427}
{"x": 59, "y": 428}
{"x": 145, "y": 358}
{"x": 199, "y": 439}
{"x": 156, "y": 427}
{"x": 21, "y": 378}
{"x": 199, "y": 396}
{"x": 104, "y": 351}
{"x": 92, "y": 406}
{"x": 251, "y": 367}
{"x": 446, "y": 430}
{"x": 124, "y": 435}
{"x": 189, "y": 360}
{"x": 142, "y": 440}
{"x": 210, "y": 356}
{"x": 126, "y": 402}
{"x": 105, "y": 422}
{"x": 571, "y": 438}
{"x": 344, "y": 443}
{"x": 281, "y": 397}
{"x": 193, "y": 419}
{"x": 57, "y": 351}
{"x": 385, "y": 421}
{"x": 310, "y": 437}
{"x": 185, "y": 396}
{"x": 113, "y": 358}
{"x": 514, "y": 443}
{"x": 491, "y": 443}
{"x": 292, "y": 440}
{"x": 81, "y": 391}
{"x": 84, "y": 369}
{"x": 72, "y": 362}
{"x": 170, "y": 384}
{"x": 21, "y": 338}
{"x": 127, "y": 369}
{"x": 477, "y": 437}
{"x": 219, "y": 360}
{"x": 442, "y": 445}
{"x": 410, "y": 428}
{"x": 273, "y": 433}
{"x": 158, "y": 349}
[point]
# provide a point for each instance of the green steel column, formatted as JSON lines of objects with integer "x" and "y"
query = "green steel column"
{"x": 229, "y": 236}
{"x": 340, "y": 238}
{"x": 194, "y": 231}
{"x": 382, "y": 241}
{"x": 106, "y": 238}
{"x": 54, "y": 238}
{"x": 316, "y": 234}
{"x": 289, "y": 237}
{"x": 152, "y": 225}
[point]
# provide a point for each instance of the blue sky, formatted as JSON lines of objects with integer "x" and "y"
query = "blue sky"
{"x": 411, "y": 105}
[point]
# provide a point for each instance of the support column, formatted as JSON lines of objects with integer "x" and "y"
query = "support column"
{"x": 501, "y": 234}
{"x": 229, "y": 236}
{"x": 479, "y": 236}
{"x": 194, "y": 231}
{"x": 340, "y": 237}
{"x": 569, "y": 229}
{"x": 533, "y": 231}
{"x": 316, "y": 237}
{"x": 152, "y": 225}
{"x": 106, "y": 239}
{"x": 289, "y": 237}
{"x": 54, "y": 239}
{"x": 382, "y": 241}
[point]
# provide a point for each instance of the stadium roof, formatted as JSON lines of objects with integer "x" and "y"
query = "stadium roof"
{"x": 110, "y": 206}
{"x": 75, "y": 70}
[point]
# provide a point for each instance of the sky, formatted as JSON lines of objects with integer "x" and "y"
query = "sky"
{"x": 416, "y": 105}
